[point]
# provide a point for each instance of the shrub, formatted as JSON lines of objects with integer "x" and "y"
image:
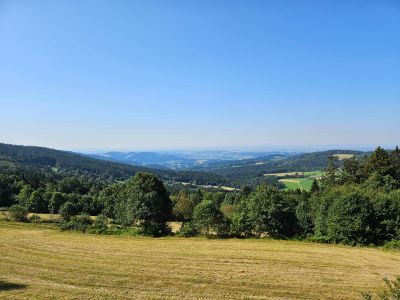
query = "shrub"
{"x": 392, "y": 291}
{"x": 154, "y": 228}
{"x": 188, "y": 230}
{"x": 100, "y": 225}
{"x": 35, "y": 219}
{"x": 79, "y": 223}
{"x": 394, "y": 244}
{"x": 18, "y": 213}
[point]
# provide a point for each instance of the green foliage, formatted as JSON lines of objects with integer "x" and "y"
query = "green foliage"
{"x": 351, "y": 218}
{"x": 18, "y": 213}
{"x": 393, "y": 245}
{"x": 79, "y": 223}
{"x": 314, "y": 186}
{"x": 183, "y": 206}
{"x": 37, "y": 202}
{"x": 387, "y": 214}
{"x": 35, "y": 219}
{"x": 241, "y": 225}
{"x": 351, "y": 171}
{"x": 357, "y": 202}
{"x": 330, "y": 177}
{"x": 67, "y": 211}
{"x": 207, "y": 217}
{"x": 56, "y": 200}
{"x": 100, "y": 224}
{"x": 24, "y": 195}
{"x": 304, "y": 216}
{"x": 144, "y": 202}
{"x": 270, "y": 214}
{"x": 391, "y": 292}
{"x": 8, "y": 188}
{"x": 188, "y": 230}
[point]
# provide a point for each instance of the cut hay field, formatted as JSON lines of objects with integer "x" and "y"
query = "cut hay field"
{"x": 342, "y": 156}
{"x": 41, "y": 262}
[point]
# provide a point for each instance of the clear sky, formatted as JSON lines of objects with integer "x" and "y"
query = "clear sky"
{"x": 94, "y": 75}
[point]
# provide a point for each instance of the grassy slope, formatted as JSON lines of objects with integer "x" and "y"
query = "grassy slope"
{"x": 301, "y": 183}
{"x": 297, "y": 183}
{"x": 42, "y": 263}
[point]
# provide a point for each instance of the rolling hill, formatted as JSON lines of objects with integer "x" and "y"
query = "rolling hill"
{"x": 281, "y": 163}
{"x": 32, "y": 159}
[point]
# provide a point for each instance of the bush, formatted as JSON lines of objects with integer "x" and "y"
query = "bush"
{"x": 18, "y": 213}
{"x": 35, "y": 219}
{"x": 392, "y": 291}
{"x": 154, "y": 228}
{"x": 188, "y": 230}
{"x": 79, "y": 223}
{"x": 394, "y": 245}
{"x": 100, "y": 225}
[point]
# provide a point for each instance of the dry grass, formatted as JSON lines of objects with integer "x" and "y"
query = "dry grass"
{"x": 37, "y": 262}
{"x": 343, "y": 156}
{"x": 285, "y": 174}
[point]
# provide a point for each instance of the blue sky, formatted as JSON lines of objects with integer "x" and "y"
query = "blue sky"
{"x": 94, "y": 75}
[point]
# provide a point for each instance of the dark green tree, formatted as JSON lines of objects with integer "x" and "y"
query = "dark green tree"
{"x": 314, "y": 186}
{"x": 330, "y": 177}
{"x": 207, "y": 217}
{"x": 56, "y": 200}
{"x": 67, "y": 211}
{"x": 351, "y": 219}
{"x": 351, "y": 171}
{"x": 270, "y": 213}
{"x": 377, "y": 162}
{"x": 146, "y": 204}
{"x": 305, "y": 216}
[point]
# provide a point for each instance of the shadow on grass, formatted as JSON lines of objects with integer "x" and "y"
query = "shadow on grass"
{"x": 7, "y": 286}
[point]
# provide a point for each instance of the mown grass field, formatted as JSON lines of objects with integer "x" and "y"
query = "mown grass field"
{"x": 40, "y": 262}
{"x": 297, "y": 183}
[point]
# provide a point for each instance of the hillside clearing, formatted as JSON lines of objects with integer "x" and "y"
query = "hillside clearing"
{"x": 342, "y": 156}
{"x": 37, "y": 262}
{"x": 297, "y": 183}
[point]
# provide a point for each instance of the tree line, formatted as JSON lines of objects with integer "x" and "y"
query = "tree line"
{"x": 355, "y": 203}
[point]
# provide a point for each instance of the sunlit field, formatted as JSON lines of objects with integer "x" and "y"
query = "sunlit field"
{"x": 38, "y": 261}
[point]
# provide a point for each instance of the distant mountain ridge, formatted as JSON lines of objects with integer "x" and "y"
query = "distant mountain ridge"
{"x": 273, "y": 164}
{"x": 185, "y": 160}
{"x": 33, "y": 159}
{"x": 233, "y": 173}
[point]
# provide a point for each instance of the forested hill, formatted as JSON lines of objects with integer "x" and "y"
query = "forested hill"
{"x": 39, "y": 162}
{"x": 44, "y": 161}
{"x": 31, "y": 161}
{"x": 297, "y": 163}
